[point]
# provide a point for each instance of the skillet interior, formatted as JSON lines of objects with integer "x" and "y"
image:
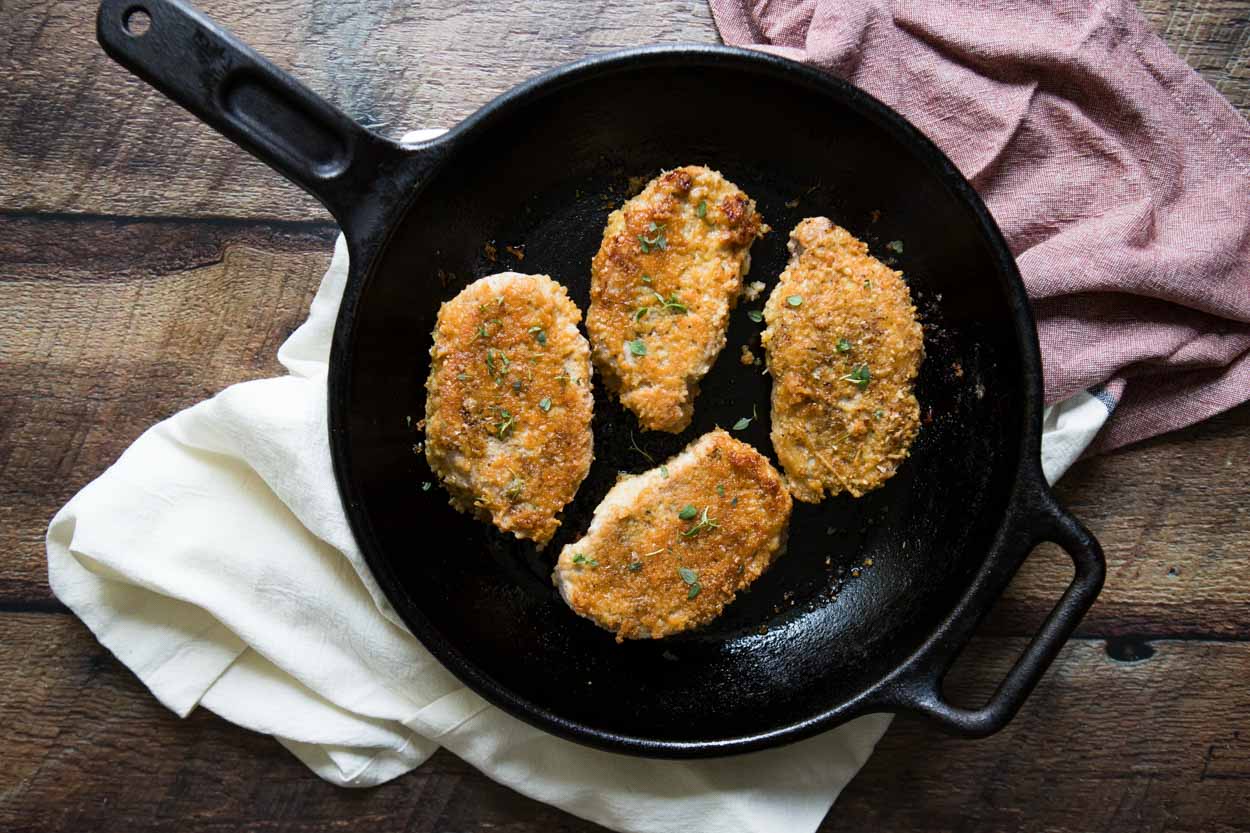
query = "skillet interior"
{"x": 544, "y": 171}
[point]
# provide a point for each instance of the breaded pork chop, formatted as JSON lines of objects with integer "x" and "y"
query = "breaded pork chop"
{"x": 508, "y": 402}
{"x": 668, "y": 549}
{"x": 844, "y": 348}
{"x": 667, "y": 274}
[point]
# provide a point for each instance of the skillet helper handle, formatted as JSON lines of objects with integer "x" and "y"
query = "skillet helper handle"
{"x": 1054, "y": 524}
{"x": 198, "y": 64}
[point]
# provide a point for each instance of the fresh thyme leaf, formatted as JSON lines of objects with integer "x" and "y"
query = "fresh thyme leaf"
{"x": 664, "y": 471}
{"x": 640, "y": 313}
{"x": 545, "y": 404}
{"x": 844, "y": 346}
{"x": 755, "y": 315}
{"x": 860, "y": 376}
{"x": 687, "y": 512}
{"x": 646, "y": 279}
{"x": 702, "y": 209}
{"x": 743, "y": 423}
{"x": 673, "y": 304}
{"x": 693, "y": 591}
{"x": 462, "y": 376}
{"x": 514, "y": 488}
{"x": 704, "y": 523}
{"x": 795, "y": 300}
{"x": 579, "y": 558}
{"x": 720, "y": 489}
{"x": 688, "y": 575}
{"x": 539, "y": 334}
{"x": 638, "y": 347}
{"x": 506, "y": 422}
{"x": 657, "y": 241}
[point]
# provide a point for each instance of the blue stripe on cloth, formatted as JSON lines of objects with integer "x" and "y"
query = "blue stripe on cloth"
{"x": 1104, "y": 396}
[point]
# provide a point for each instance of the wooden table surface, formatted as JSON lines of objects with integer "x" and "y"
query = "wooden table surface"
{"x": 145, "y": 263}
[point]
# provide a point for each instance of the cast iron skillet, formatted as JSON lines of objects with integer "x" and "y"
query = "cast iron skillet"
{"x": 875, "y": 597}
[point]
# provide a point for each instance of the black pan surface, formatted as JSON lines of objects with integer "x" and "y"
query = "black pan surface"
{"x": 874, "y": 596}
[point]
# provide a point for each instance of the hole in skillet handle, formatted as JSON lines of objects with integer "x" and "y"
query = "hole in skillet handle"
{"x": 137, "y": 21}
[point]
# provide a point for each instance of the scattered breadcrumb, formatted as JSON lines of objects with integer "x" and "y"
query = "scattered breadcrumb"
{"x": 753, "y": 290}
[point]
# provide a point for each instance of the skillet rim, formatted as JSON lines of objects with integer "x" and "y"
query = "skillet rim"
{"x": 368, "y": 240}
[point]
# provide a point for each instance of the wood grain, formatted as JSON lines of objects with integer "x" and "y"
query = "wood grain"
{"x": 1143, "y": 753}
{"x": 78, "y": 133}
{"x": 110, "y": 326}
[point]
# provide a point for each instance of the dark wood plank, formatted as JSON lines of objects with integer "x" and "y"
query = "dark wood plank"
{"x": 1102, "y": 746}
{"x": 109, "y": 327}
{"x": 78, "y": 133}
{"x": 1212, "y": 36}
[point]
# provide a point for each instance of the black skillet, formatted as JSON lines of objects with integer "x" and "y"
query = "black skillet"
{"x": 875, "y": 597}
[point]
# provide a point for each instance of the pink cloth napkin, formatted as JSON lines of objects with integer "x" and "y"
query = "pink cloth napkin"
{"x": 1119, "y": 177}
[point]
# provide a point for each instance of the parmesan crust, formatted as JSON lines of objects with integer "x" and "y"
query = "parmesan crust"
{"x": 508, "y": 402}
{"x": 665, "y": 278}
{"x": 667, "y": 550}
{"x": 844, "y": 348}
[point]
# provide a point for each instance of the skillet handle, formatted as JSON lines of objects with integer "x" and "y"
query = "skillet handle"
{"x": 265, "y": 111}
{"x": 1052, "y": 523}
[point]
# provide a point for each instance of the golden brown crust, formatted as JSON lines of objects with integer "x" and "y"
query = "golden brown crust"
{"x": 636, "y": 571}
{"x": 508, "y": 402}
{"x": 689, "y": 233}
{"x": 844, "y": 357}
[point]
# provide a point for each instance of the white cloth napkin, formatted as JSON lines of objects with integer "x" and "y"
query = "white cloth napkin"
{"x": 215, "y": 561}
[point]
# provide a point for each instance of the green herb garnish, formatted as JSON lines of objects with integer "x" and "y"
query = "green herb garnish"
{"x": 673, "y": 305}
{"x": 844, "y": 346}
{"x": 659, "y": 241}
{"x": 691, "y": 578}
{"x": 634, "y": 566}
{"x": 702, "y": 209}
{"x": 646, "y": 279}
{"x": 581, "y": 559}
{"x": 545, "y": 404}
{"x": 704, "y": 523}
{"x": 497, "y": 363}
{"x": 539, "y": 334}
{"x": 743, "y": 423}
{"x": 795, "y": 300}
{"x": 687, "y": 512}
{"x": 507, "y": 420}
{"x": 664, "y": 471}
{"x": 755, "y": 315}
{"x": 640, "y": 313}
{"x": 860, "y": 376}
{"x": 720, "y": 489}
{"x": 638, "y": 347}
{"x": 513, "y": 489}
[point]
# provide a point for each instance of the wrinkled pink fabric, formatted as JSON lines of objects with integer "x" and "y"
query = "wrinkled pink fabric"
{"x": 1119, "y": 177}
